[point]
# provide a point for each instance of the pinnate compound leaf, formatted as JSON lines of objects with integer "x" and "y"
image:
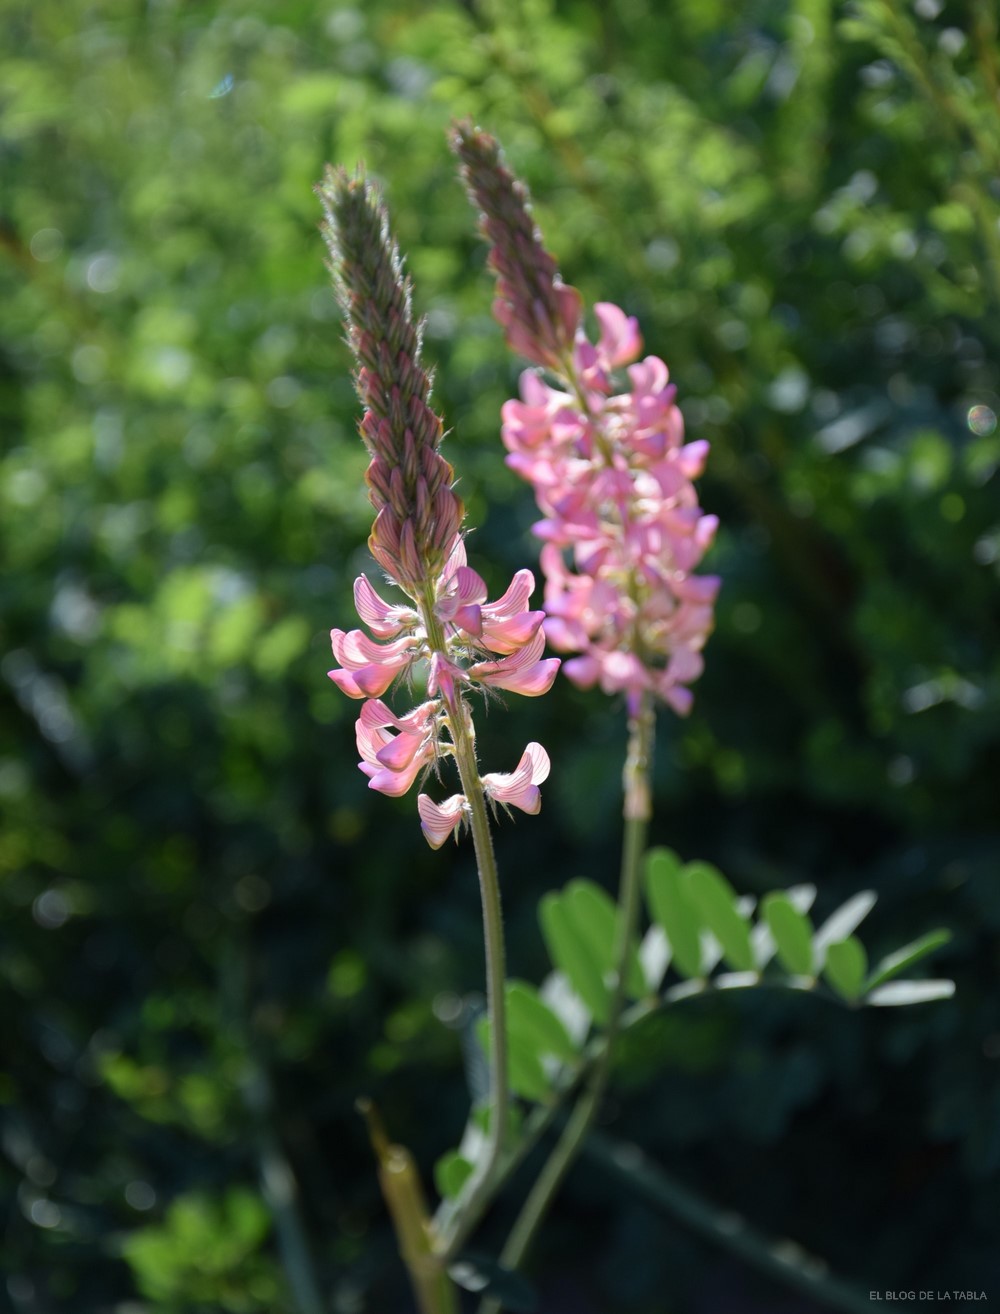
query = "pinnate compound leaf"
{"x": 571, "y": 954}
{"x": 792, "y": 932}
{"x": 532, "y": 1022}
{"x": 487, "y": 1277}
{"x": 451, "y": 1172}
{"x": 904, "y": 958}
{"x": 596, "y": 916}
{"x": 897, "y": 993}
{"x": 845, "y": 966}
{"x": 716, "y": 901}
{"x": 671, "y": 908}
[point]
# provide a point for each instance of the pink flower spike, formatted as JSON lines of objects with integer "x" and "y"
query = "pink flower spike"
{"x": 522, "y": 672}
{"x": 620, "y": 341}
{"x": 519, "y": 788}
{"x": 439, "y": 820}
{"x": 384, "y": 620}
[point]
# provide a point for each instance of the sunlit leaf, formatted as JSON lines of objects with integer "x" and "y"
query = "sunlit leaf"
{"x": 572, "y": 955}
{"x": 530, "y": 1020}
{"x": 670, "y": 906}
{"x": 716, "y": 900}
{"x": 904, "y": 958}
{"x": 451, "y": 1172}
{"x": 842, "y": 923}
{"x": 597, "y": 921}
{"x": 845, "y": 965}
{"x": 792, "y": 933}
{"x": 897, "y": 993}
{"x": 525, "y": 1073}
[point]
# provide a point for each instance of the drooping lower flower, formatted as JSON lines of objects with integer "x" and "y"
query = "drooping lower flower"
{"x": 517, "y": 788}
{"x": 447, "y": 624}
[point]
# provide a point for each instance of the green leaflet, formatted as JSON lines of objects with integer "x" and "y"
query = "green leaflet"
{"x": 897, "y": 962}
{"x": 715, "y": 900}
{"x": 533, "y": 1023}
{"x": 792, "y": 933}
{"x": 845, "y": 967}
{"x": 670, "y": 905}
{"x": 525, "y": 1073}
{"x": 451, "y": 1172}
{"x": 571, "y": 954}
{"x": 596, "y": 916}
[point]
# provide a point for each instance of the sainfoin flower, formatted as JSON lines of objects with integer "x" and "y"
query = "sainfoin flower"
{"x": 609, "y": 465}
{"x": 517, "y": 788}
{"x": 447, "y": 624}
{"x": 483, "y": 644}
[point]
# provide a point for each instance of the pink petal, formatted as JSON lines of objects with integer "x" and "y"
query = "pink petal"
{"x": 395, "y": 783}
{"x": 470, "y": 619}
{"x": 532, "y": 682}
{"x": 519, "y": 788}
{"x": 583, "y": 671}
{"x": 384, "y": 621}
{"x": 522, "y": 672}
{"x": 375, "y": 680}
{"x": 620, "y": 340}
{"x": 439, "y": 820}
{"x": 514, "y": 600}
{"x": 649, "y": 376}
{"x": 506, "y": 636}
{"x": 692, "y": 458}
{"x": 347, "y": 684}
{"x": 354, "y": 649}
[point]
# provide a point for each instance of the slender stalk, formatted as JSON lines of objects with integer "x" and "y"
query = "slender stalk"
{"x": 463, "y": 742}
{"x": 637, "y": 811}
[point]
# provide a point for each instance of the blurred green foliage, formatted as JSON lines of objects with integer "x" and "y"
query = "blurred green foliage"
{"x": 213, "y": 935}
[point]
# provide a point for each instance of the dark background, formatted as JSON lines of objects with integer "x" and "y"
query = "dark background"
{"x": 213, "y": 936}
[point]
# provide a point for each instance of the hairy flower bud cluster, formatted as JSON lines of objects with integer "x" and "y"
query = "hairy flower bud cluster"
{"x": 540, "y": 314}
{"x": 611, "y": 471}
{"x": 464, "y": 641}
{"x": 418, "y": 512}
{"x": 613, "y": 476}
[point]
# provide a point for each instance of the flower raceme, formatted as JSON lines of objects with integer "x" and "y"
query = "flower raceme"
{"x": 611, "y": 471}
{"x": 464, "y": 640}
{"x": 447, "y": 624}
{"x": 613, "y": 476}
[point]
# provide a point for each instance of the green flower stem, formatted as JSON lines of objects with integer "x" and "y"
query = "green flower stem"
{"x": 637, "y": 811}
{"x": 478, "y": 1188}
